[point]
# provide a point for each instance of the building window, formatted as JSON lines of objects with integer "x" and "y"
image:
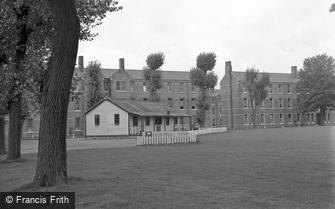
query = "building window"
{"x": 288, "y": 88}
{"x": 245, "y": 90}
{"x": 144, "y": 87}
{"x": 263, "y": 104}
{"x": 30, "y": 124}
{"x": 77, "y": 123}
{"x": 245, "y": 103}
{"x": 193, "y": 107}
{"x": 221, "y": 121}
{"x": 168, "y": 121}
{"x": 312, "y": 117}
{"x": 97, "y": 120}
{"x": 193, "y": 99}
{"x": 270, "y": 88}
{"x": 289, "y": 103}
{"x": 213, "y": 122}
{"x": 169, "y": 86}
{"x": 147, "y": 121}
{"x": 271, "y": 102}
{"x": 213, "y": 111}
{"x": 76, "y": 105}
{"x": 298, "y": 117}
{"x": 262, "y": 119}
{"x": 280, "y": 103}
{"x": 120, "y": 85}
{"x": 289, "y": 118}
{"x": 271, "y": 118}
{"x": 281, "y": 118}
{"x": 220, "y": 110}
{"x": 279, "y": 88}
{"x": 106, "y": 84}
{"x": 135, "y": 121}
{"x": 246, "y": 122}
{"x": 145, "y": 99}
{"x": 328, "y": 117}
{"x": 192, "y": 88}
{"x": 213, "y": 100}
{"x": 181, "y": 86}
{"x": 181, "y": 103}
{"x": 175, "y": 120}
{"x": 169, "y": 99}
{"x": 116, "y": 119}
{"x": 132, "y": 98}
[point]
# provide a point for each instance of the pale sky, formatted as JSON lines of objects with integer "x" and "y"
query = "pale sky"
{"x": 272, "y": 35}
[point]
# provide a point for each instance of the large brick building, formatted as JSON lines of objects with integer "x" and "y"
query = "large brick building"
{"x": 128, "y": 84}
{"x": 279, "y": 108}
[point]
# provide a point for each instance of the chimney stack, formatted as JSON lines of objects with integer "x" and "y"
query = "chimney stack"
{"x": 294, "y": 72}
{"x": 121, "y": 64}
{"x": 228, "y": 67}
{"x": 81, "y": 62}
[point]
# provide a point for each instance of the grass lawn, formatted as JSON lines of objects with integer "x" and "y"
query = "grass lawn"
{"x": 266, "y": 168}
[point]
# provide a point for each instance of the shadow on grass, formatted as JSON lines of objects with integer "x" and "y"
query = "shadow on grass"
{"x": 33, "y": 187}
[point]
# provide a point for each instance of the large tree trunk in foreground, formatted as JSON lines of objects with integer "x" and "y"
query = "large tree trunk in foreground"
{"x": 51, "y": 162}
{"x": 15, "y": 128}
{"x": 2, "y": 135}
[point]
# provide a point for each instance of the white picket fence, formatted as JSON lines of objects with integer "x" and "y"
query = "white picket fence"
{"x": 166, "y": 138}
{"x": 176, "y": 137}
{"x": 209, "y": 131}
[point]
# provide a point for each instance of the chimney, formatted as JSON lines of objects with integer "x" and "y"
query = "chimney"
{"x": 228, "y": 67}
{"x": 81, "y": 62}
{"x": 121, "y": 64}
{"x": 294, "y": 72}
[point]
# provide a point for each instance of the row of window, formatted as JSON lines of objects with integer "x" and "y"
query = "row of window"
{"x": 116, "y": 119}
{"x": 279, "y": 88}
{"x": 270, "y": 102}
{"x": 271, "y": 118}
{"x": 122, "y": 86}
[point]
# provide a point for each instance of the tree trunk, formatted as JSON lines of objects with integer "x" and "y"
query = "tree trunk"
{"x": 322, "y": 116}
{"x": 15, "y": 104}
{"x": 202, "y": 109}
{"x": 15, "y": 128}
{"x": 2, "y": 135}
{"x": 51, "y": 163}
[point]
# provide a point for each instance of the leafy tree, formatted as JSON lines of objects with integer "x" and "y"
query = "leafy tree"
{"x": 316, "y": 87}
{"x": 152, "y": 74}
{"x": 256, "y": 84}
{"x": 93, "y": 78}
{"x": 51, "y": 166}
{"x": 203, "y": 77}
{"x": 27, "y": 26}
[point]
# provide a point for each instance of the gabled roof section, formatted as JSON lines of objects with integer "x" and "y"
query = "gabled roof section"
{"x": 142, "y": 108}
{"x": 138, "y": 74}
{"x": 274, "y": 77}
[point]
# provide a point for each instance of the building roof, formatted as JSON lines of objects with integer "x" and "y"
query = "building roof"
{"x": 274, "y": 77}
{"x": 138, "y": 74}
{"x": 142, "y": 108}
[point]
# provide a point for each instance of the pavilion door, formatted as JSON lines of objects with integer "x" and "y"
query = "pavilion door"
{"x": 158, "y": 124}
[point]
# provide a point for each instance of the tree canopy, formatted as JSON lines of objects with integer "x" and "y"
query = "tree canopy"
{"x": 316, "y": 86}
{"x": 203, "y": 77}
{"x": 256, "y": 84}
{"x": 153, "y": 75}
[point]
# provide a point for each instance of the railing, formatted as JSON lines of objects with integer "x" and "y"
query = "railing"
{"x": 175, "y": 137}
{"x": 209, "y": 131}
{"x": 166, "y": 138}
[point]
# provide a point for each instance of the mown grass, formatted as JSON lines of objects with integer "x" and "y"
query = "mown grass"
{"x": 268, "y": 168}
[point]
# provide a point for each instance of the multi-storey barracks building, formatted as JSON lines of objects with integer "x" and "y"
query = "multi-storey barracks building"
{"x": 229, "y": 105}
{"x": 128, "y": 84}
{"x": 278, "y": 110}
